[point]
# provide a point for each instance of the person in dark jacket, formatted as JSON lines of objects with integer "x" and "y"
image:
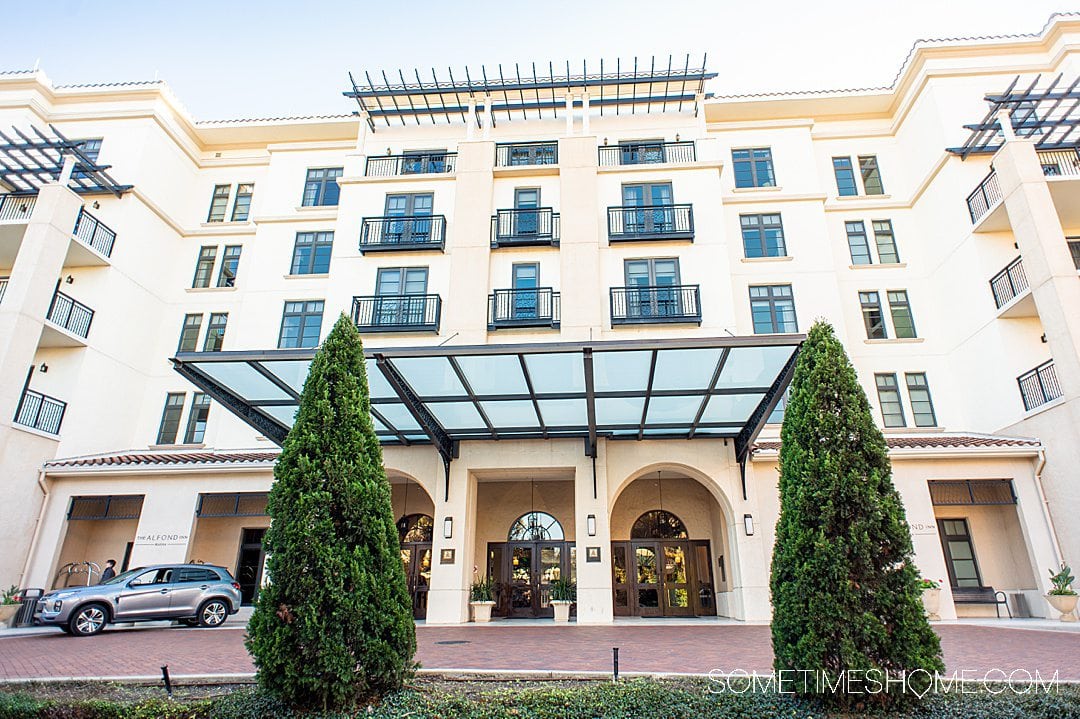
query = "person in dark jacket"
{"x": 110, "y": 570}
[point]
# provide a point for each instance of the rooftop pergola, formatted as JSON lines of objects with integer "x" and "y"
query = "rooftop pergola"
{"x": 640, "y": 85}
{"x": 30, "y": 160}
{"x": 623, "y": 390}
{"x": 1049, "y": 115}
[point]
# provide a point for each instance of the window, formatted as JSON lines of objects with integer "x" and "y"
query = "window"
{"x": 170, "y": 418}
{"x": 91, "y": 149}
{"x": 230, "y": 261}
{"x": 892, "y": 411}
{"x": 204, "y": 267}
{"x": 900, "y": 308}
{"x": 189, "y": 333}
{"x": 651, "y": 287}
{"x": 777, "y": 415}
{"x": 525, "y": 278}
{"x": 215, "y": 331}
{"x": 856, "y": 239}
{"x": 321, "y": 187}
{"x": 409, "y": 205}
{"x": 886, "y": 242}
{"x": 196, "y": 424}
{"x": 871, "y": 175}
{"x": 959, "y": 553}
{"x": 189, "y": 574}
{"x": 772, "y": 308}
{"x": 845, "y": 177}
{"x": 301, "y": 323}
{"x": 219, "y": 201}
{"x": 753, "y": 167}
{"x": 393, "y": 281}
{"x": 311, "y": 253}
{"x": 873, "y": 317}
{"x": 401, "y": 296}
{"x": 763, "y": 236}
{"x": 922, "y": 408}
{"x": 242, "y": 203}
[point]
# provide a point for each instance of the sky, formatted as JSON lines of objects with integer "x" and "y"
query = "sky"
{"x": 228, "y": 60}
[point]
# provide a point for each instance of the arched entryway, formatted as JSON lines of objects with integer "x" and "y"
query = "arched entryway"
{"x": 413, "y": 510}
{"x": 534, "y": 555}
{"x": 667, "y": 551}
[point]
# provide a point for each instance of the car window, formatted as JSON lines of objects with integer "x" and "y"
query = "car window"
{"x": 188, "y": 574}
{"x": 124, "y": 576}
{"x": 164, "y": 576}
{"x": 149, "y": 577}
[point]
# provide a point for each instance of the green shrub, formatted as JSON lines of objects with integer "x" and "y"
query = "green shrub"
{"x": 334, "y": 626}
{"x": 845, "y": 591}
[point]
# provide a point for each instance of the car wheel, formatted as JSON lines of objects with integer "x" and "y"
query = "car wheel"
{"x": 88, "y": 620}
{"x": 213, "y": 613}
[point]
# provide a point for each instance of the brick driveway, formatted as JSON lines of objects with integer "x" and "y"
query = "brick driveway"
{"x": 681, "y": 648}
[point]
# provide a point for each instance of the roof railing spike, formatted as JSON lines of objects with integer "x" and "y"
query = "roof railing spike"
{"x": 536, "y": 89}
{"x": 450, "y": 72}
{"x": 601, "y": 86}
{"x": 551, "y": 82}
{"x": 397, "y": 109}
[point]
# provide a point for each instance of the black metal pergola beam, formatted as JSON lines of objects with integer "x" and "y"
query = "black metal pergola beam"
{"x": 27, "y": 163}
{"x": 416, "y": 408}
{"x": 472, "y": 396}
{"x": 590, "y": 401}
{"x": 709, "y": 392}
{"x": 271, "y": 429}
{"x": 744, "y": 441}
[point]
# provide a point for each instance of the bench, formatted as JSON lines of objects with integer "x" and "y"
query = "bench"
{"x": 982, "y": 595}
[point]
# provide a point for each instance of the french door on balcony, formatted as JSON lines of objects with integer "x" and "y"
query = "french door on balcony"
{"x": 526, "y": 218}
{"x": 526, "y": 280}
{"x": 414, "y": 225}
{"x": 651, "y": 288}
{"x": 641, "y": 152}
{"x": 656, "y": 215}
{"x": 400, "y": 299}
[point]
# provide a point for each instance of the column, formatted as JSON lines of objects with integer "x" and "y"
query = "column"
{"x": 569, "y": 116}
{"x": 165, "y": 524}
{"x": 448, "y": 596}
{"x": 470, "y": 122}
{"x": 585, "y": 114}
{"x": 594, "y": 600}
{"x": 579, "y": 257}
{"x": 1038, "y": 537}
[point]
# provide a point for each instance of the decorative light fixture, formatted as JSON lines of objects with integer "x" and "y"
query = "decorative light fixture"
{"x": 389, "y": 151}
{"x": 97, "y": 205}
{"x": 605, "y": 142}
{"x": 677, "y": 137}
{"x": 590, "y": 525}
{"x": 69, "y": 279}
{"x": 448, "y": 528}
{"x": 43, "y": 368}
{"x": 748, "y": 524}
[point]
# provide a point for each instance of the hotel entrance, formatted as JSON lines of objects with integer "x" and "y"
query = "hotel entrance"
{"x": 415, "y": 531}
{"x": 662, "y": 579}
{"x": 523, "y": 568}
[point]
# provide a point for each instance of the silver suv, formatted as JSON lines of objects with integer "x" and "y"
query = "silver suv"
{"x": 195, "y": 594}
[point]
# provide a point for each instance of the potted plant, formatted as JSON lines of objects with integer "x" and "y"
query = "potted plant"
{"x": 1062, "y": 596}
{"x": 481, "y": 599}
{"x": 9, "y": 604}
{"x": 563, "y": 594}
{"x": 931, "y": 597}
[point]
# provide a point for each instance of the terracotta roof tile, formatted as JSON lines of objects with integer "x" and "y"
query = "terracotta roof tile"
{"x": 165, "y": 457}
{"x": 939, "y": 441}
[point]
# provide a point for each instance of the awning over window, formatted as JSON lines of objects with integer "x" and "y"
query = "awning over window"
{"x": 648, "y": 389}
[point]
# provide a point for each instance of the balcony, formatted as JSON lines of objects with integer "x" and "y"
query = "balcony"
{"x": 1039, "y": 386}
{"x": 647, "y": 153}
{"x": 1074, "y": 250}
{"x": 536, "y": 307}
{"x": 1060, "y": 163}
{"x": 95, "y": 234}
{"x": 3, "y": 287}
{"x": 985, "y": 196}
{"x": 71, "y": 316}
{"x": 651, "y": 222}
{"x": 520, "y": 228}
{"x": 40, "y": 411}
{"x": 417, "y": 232}
{"x": 1011, "y": 292}
{"x": 16, "y": 209}
{"x": 397, "y": 313}
{"x": 526, "y": 154}
{"x": 418, "y": 163}
{"x": 655, "y": 305}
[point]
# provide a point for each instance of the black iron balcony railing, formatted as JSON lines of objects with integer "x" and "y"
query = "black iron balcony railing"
{"x": 16, "y": 208}
{"x": 426, "y": 163}
{"x": 40, "y": 411}
{"x": 397, "y": 313}
{"x": 1060, "y": 163}
{"x": 94, "y": 233}
{"x": 417, "y": 232}
{"x": 1009, "y": 283}
{"x": 70, "y": 314}
{"x": 1074, "y": 250}
{"x": 648, "y": 305}
{"x": 1039, "y": 386}
{"x": 647, "y": 153}
{"x": 535, "y": 307}
{"x": 985, "y": 196}
{"x": 538, "y": 226}
{"x": 520, "y": 154}
{"x": 651, "y": 222}
{"x": 3, "y": 287}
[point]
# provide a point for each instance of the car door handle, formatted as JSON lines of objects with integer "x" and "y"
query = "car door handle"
{"x": 204, "y": 587}
{"x": 164, "y": 591}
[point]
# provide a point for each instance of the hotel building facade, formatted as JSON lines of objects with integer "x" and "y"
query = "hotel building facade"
{"x": 581, "y": 292}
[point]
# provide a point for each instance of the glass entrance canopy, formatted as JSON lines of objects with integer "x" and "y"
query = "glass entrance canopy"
{"x": 646, "y": 389}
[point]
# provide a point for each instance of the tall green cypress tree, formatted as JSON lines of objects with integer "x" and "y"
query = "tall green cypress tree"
{"x": 844, "y": 587}
{"x": 334, "y": 626}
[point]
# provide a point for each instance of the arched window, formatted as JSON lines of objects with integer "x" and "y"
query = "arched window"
{"x": 658, "y": 524}
{"x": 415, "y": 528}
{"x": 534, "y": 527}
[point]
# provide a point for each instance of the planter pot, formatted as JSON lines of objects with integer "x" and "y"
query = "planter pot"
{"x": 931, "y": 601}
{"x": 7, "y": 613}
{"x": 1065, "y": 604}
{"x": 562, "y": 609}
{"x": 481, "y": 611}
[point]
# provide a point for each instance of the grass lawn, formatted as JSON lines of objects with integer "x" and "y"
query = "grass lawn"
{"x": 481, "y": 699}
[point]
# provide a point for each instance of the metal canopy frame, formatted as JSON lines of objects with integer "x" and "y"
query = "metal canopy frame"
{"x": 1049, "y": 115}
{"x": 28, "y": 161}
{"x": 525, "y": 91}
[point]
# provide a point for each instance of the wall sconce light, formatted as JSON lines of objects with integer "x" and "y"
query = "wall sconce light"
{"x": 605, "y": 142}
{"x": 43, "y": 368}
{"x": 590, "y": 525}
{"x": 68, "y": 280}
{"x": 389, "y": 151}
{"x": 97, "y": 205}
{"x": 677, "y": 137}
{"x": 748, "y": 525}
{"x": 448, "y": 528}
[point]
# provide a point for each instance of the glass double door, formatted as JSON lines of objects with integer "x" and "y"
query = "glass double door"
{"x": 249, "y": 564}
{"x": 662, "y": 578}
{"x": 523, "y": 573}
{"x": 416, "y": 557}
